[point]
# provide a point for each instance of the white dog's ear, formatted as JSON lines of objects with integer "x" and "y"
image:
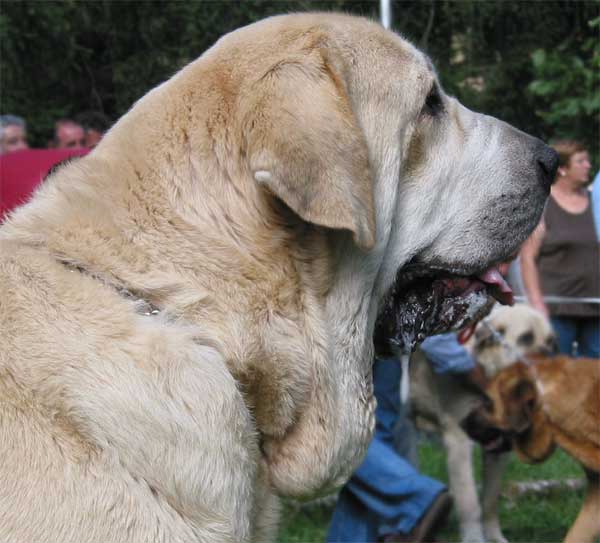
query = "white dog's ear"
{"x": 305, "y": 146}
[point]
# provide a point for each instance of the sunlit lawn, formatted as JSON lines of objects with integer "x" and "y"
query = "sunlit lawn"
{"x": 528, "y": 519}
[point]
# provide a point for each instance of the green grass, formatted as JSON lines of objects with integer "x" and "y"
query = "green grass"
{"x": 528, "y": 519}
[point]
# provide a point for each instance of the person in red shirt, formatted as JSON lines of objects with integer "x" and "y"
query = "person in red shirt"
{"x": 23, "y": 170}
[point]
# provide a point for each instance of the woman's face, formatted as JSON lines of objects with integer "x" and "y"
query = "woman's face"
{"x": 578, "y": 169}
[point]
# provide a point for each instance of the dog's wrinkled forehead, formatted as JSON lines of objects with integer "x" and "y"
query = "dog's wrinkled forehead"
{"x": 375, "y": 66}
{"x": 384, "y": 65}
{"x": 521, "y": 319}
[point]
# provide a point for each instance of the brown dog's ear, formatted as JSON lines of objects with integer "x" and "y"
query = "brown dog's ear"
{"x": 521, "y": 402}
{"x": 304, "y": 145}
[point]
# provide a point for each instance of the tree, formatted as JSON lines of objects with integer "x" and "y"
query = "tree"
{"x": 567, "y": 86}
{"x": 58, "y": 59}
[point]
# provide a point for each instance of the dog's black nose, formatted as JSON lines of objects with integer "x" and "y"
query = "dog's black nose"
{"x": 547, "y": 160}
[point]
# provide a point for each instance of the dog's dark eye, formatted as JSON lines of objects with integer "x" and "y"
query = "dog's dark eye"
{"x": 526, "y": 339}
{"x": 433, "y": 103}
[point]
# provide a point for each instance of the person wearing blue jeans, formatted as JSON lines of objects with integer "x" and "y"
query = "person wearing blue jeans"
{"x": 586, "y": 332}
{"x": 387, "y": 499}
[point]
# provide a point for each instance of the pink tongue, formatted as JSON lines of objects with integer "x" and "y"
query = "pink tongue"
{"x": 504, "y": 293}
{"x": 465, "y": 334}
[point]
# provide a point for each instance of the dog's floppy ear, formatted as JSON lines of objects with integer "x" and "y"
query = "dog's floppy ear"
{"x": 305, "y": 146}
{"x": 521, "y": 402}
{"x": 533, "y": 436}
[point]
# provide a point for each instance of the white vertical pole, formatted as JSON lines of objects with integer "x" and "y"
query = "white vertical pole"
{"x": 385, "y": 12}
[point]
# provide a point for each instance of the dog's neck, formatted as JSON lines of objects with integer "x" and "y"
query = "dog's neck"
{"x": 263, "y": 298}
{"x": 180, "y": 223}
{"x": 150, "y": 239}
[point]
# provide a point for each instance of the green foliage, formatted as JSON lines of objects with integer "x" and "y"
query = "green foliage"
{"x": 567, "y": 86}
{"x": 58, "y": 59}
{"x": 61, "y": 58}
{"x": 497, "y": 42}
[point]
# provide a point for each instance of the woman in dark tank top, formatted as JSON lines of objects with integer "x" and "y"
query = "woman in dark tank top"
{"x": 562, "y": 257}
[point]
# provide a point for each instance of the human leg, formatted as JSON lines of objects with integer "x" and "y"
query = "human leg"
{"x": 588, "y": 337}
{"x": 385, "y": 495}
{"x": 566, "y": 330}
{"x": 352, "y": 521}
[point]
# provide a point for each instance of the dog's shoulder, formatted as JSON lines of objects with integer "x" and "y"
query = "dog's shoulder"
{"x": 571, "y": 397}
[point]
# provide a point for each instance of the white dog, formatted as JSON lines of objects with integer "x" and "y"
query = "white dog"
{"x": 187, "y": 312}
{"x": 440, "y": 402}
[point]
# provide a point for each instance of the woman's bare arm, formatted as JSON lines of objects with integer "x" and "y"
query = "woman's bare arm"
{"x": 529, "y": 270}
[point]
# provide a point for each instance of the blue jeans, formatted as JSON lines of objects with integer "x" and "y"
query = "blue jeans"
{"x": 386, "y": 494}
{"x": 584, "y": 330}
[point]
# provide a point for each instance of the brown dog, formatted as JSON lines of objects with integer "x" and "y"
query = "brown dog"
{"x": 552, "y": 402}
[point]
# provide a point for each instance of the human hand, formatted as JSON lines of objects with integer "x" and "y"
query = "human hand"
{"x": 541, "y": 307}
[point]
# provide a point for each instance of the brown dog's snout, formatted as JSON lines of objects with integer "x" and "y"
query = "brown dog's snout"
{"x": 478, "y": 427}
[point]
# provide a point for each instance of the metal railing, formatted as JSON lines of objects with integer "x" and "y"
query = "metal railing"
{"x": 385, "y": 13}
{"x": 550, "y": 299}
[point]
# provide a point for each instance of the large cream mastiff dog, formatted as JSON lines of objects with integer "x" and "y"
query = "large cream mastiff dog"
{"x": 187, "y": 312}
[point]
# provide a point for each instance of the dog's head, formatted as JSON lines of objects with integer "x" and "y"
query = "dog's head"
{"x": 450, "y": 182}
{"x": 508, "y": 411}
{"x": 330, "y": 122}
{"x": 512, "y": 415}
{"x": 509, "y": 333}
